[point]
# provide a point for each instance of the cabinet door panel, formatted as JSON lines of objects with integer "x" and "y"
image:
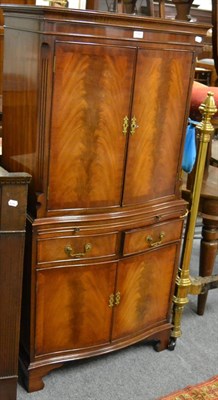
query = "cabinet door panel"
{"x": 72, "y": 307}
{"x": 91, "y": 98}
{"x": 159, "y": 103}
{"x": 145, "y": 286}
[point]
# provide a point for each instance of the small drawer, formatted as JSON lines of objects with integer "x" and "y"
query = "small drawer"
{"x": 138, "y": 240}
{"x": 76, "y": 247}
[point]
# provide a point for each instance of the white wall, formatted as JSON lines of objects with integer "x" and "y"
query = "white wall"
{"x": 204, "y": 4}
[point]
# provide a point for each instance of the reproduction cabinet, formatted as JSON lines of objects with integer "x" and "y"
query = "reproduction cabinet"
{"x": 95, "y": 107}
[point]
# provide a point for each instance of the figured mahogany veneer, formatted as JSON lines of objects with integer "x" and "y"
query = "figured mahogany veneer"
{"x": 95, "y": 108}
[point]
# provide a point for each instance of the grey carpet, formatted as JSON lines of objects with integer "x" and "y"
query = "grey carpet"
{"x": 138, "y": 372}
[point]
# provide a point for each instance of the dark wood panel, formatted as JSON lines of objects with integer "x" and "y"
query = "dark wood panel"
{"x": 20, "y": 102}
{"x": 27, "y": 2}
{"x": 8, "y": 388}
{"x": 13, "y": 199}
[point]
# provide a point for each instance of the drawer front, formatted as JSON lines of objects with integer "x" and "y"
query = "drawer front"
{"x": 76, "y": 247}
{"x": 138, "y": 240}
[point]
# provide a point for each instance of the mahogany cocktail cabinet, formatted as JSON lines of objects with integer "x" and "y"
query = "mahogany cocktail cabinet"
{"x": 95, "y": 107}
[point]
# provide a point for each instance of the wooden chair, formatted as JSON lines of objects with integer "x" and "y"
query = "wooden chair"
{"x": 209, "y": 193}
{"x": 211, "y": 62}
{"x": 209, "y": 243}
{"x": 209, "y": 65}
{"x": 208, "y": 206}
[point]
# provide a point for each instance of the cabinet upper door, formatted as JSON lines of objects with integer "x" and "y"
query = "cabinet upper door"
{"x": 91, "y": 97}
{"x": 161, "y": 92}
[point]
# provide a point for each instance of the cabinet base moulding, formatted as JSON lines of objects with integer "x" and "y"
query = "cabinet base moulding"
{"x": 32, "y": 374}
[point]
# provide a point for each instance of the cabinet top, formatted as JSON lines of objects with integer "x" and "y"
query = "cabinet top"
{"x": 53, "y": 21}
{"x": 107, "y": 18}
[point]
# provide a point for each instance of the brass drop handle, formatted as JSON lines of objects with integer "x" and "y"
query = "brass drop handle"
{"x": 184, "y": 215}
{"x": 149, "y": 239}
{"x": 125, "y": 125}
{"x": 133, "y": 126}
{"x": 69, "y": 251}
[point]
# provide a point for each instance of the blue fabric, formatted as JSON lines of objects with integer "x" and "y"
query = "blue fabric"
{"x": 189, "y": 154}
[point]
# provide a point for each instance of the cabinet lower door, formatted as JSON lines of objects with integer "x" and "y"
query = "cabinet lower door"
{"x": 145, "y": 284}
{"x": 72, "y": 309}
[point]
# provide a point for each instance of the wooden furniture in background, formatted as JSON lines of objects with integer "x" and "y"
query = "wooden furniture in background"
{"x": 183, "y": 8}
{"x": 209, "y": 243}
{"x": 2, "y": 54}
{"x": 208, "y": 200}
{"x": 215, "y": 33}
{"x": 208, "y": 211}
{"x": 199, "y": 15}
{"x": 150, "y": 8}
{"x": 13, "y": 201}
{"x": 208, "y": 66}
{"x": 209, "y": 57}
{"x": 203, "y": 75}
{"x": 0, "y": 127}
{"x": 1, "y": 45}
{"x": 95, "y": 108}
{"x": 31, "y": 2}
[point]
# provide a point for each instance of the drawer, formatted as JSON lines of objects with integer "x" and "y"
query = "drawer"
{"x": 76, "y": 247}
{"x": 138, "y": 240}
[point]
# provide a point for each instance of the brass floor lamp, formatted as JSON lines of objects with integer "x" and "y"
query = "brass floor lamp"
{"x": 185, "y": 284}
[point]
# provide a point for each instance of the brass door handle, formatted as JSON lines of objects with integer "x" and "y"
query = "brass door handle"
{"x": 149, "y": 239}
{"x": 69, "y": 251}
{"x": 111, "y": 300}
{"x": 125, "y": 125}
{"x": 133, "y": 126}
{"x": 114, "y": 299}
{"x": 117, "y": 299}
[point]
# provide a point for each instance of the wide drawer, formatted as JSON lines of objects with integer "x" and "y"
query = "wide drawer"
{"x": 138, "y": 240}
{"x": 76, "y": 247}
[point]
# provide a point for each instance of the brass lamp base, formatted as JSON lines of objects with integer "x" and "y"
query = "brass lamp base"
{"x": 184, "y": 283}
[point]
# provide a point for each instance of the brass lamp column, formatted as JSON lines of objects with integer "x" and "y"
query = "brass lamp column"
{"x": 183, "y": 281}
